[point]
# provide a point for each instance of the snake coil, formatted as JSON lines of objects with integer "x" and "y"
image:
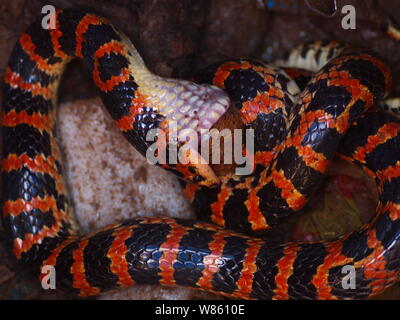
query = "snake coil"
{"x": 331, "y": 115}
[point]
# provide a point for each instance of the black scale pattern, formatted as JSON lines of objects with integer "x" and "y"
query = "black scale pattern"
{"x": 143, "y": 254}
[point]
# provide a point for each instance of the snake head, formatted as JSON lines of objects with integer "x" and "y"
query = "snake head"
{"x": 189, "y": 111}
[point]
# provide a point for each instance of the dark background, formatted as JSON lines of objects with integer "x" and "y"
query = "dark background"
{"x": 177, "y": 37}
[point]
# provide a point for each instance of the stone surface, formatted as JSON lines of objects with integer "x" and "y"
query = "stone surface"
{"x": 175, "y": 38}
{"x": 109, "y": 179}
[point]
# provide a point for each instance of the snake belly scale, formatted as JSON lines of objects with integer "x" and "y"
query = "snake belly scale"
{"x": 331, "y": 115}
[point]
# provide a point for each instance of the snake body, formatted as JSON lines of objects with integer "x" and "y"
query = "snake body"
{"x": 332, "y": 109}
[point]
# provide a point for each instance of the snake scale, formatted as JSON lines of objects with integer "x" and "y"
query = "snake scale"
{"x": 332, "y": 115}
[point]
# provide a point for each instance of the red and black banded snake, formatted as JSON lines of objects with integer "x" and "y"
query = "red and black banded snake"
{"x": 332, "y": 114}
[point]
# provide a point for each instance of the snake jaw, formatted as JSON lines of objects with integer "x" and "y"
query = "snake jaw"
{"x": 189, "y": 111}
{"x": 191, "y": 106}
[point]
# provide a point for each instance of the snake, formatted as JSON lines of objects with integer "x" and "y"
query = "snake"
{"x": 299, "y": 122}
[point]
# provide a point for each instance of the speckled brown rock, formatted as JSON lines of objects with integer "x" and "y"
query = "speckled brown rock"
{"x": 110, "y": 181}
